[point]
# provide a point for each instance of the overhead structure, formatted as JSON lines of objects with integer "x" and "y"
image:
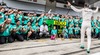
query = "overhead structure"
{"x": 50, "y": 4}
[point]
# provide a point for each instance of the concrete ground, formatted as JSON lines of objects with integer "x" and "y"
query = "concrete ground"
{"x": 49, "y": 47}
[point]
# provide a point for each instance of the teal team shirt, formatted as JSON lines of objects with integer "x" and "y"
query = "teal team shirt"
{"x": 45, "y": 17}
{"x": 92, "y": 29}
{"x": 67, "y": 22}
{"x": 98, "y": 23}
{"x": 54, "y": 32}
{"x": 41, "y": 21}
{"x": 34, "y": 20}
{"x": 20, "y": 16}
{"x": 76, "y": 22}
{"x": 35, "y": 28}
{"x": 27, "y": 28}
{"x": 94, "y": 20}
{"x": 96, "y": 29}
{"x": 18, "y": 28}
{"x": 56, "y": 17}
{"x": 26, "y": 19}
{"x": 71, "y": 22}
{"x": 70, "y": 29}
{"x": 7, "y": 30}
{"x": 2, "y": 19}
{"x": 65, "y": 32}
{"x": 80, "y": 22}
{"x": 12, "y": 17}
{"x": 62, "y": 19}
{"x": 77, "y": 30}
{"x": 92, "y": 23}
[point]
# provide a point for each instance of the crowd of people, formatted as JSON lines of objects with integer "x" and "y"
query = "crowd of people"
{"x": 16, "y": 25}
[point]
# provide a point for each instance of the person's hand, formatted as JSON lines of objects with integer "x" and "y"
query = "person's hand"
{"x": 14, "y": 30}
{"x": 44, "y": 29}
{"x": 0, "y": 17}
{"x": 50, "y": 10}
{"x": 68, "y": 3}
{"x": 42, "y": 15}
{"x": 32, "y": 30}
{"x": 5, "y": 21}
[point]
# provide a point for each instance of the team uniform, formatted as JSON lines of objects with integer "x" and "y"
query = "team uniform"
{"x": 76, "y": 22}
{"x": 97, "y": 31}
{"x": 70, "y": 32}
{"x": 67, "y": 22}
{"x": 56, "y": 17}
{"x": 92, "y": 31}
{"x": 65, "y": 33}
{"x": 35, "y": 34}
{"x": 77, "y": 31}
{"x": 17, "y": 35}
{"x": 53, "y": 34}
{"x": 26, "y": 19}
{"x": 41, "y": 21}
{"x": 86, "y": 24}
{"x": 12, "y": 17}
{"x": 71, "y": 22}
{"x": 2, "y": 18}
{"x": 5, "y": 36}
{"x": 34, "y": 19}
{"x": 20, "y": 17}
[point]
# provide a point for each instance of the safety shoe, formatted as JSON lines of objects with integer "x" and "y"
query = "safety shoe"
{"x": 82, "y": 46}
{"x": 88, "y": 51}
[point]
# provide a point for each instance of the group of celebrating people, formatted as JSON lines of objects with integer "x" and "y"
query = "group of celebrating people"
{"x": 16, "y": 25}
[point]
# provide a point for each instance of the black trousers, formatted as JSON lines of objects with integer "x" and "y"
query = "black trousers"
{"x": 71, "y": 36}
{"x": 35, "y": 35}
{"x": 4, "y": 39}
{"x": 92, "y": 34}
{"x": 96, "y": 35}
{"x": 19, "y": 37}
{"x": 99, "y": 35}
{"x": 24, "y": 35}
{"x": 76, "y": 36}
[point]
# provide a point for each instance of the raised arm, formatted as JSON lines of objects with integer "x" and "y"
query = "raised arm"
{"x": 95, "y": 11}
{"x": 74, "y": 8}
{"x": 49, "y": 11}
{"x": 40, "y": 16}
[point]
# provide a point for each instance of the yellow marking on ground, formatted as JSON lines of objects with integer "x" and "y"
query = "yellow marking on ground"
{"x": 70, "y": 38}
{"x": 41, "y": 40}
{"x": 62, "y": 39}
